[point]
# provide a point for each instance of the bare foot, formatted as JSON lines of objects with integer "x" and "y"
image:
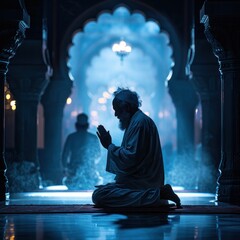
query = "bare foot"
{"x": 168, "y": 194}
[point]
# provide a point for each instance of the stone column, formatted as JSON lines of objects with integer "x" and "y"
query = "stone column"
{"x": 53, "y": 101}
{"x": 12, "y": 33}
{"x": 206, "y": 81}
{"x": 185, "y": 100}
{"x": 222, "y": 22}
{"x": 209, "y": 93}
{"x": 27, "y": 83}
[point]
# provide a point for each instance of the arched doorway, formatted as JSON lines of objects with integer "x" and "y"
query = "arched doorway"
{"x": 96, "y": 71}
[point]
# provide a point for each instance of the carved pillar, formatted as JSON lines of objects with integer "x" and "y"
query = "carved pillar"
{"x": 27, "y": 84}
{"x": 185, "y": 100}
{"x": 12, "y": 33}
{"x": 53, "y": 101}
{"x": 221, "y": 22}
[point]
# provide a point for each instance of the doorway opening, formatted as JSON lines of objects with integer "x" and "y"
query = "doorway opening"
{"x": 97, "y": 71}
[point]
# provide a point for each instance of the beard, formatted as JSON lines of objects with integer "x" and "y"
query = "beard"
{"x": 123, "y": 124}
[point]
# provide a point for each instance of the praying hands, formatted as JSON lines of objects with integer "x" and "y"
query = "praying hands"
{"x": 104, "y": 136}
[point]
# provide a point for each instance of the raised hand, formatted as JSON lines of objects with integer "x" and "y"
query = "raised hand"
{"x": 104, "y": 136}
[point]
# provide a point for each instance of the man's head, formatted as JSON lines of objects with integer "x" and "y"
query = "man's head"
{"x": 82, "y": 121}
{"x": 125, "y": 104}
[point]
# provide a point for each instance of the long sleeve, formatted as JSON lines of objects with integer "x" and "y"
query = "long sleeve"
{"x": 126, "y": 159}
{"x": 138, "y": 161}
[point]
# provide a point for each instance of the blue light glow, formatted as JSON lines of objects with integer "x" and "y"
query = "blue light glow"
{"x": 95, "y": 68}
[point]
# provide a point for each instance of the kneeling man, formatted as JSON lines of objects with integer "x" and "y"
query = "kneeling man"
{"x": 137, "y": 163}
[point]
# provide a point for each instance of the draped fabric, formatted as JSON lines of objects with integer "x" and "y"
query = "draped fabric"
{"x": 138, "y": 166}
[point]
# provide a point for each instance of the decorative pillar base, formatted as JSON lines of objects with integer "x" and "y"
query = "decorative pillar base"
{"x": 23, "y": 177}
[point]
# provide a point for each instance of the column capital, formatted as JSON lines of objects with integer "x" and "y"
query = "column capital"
{"x": 222, "y": 29}
{"x": 12, "y": 32}
{"x": 27, "y": 82}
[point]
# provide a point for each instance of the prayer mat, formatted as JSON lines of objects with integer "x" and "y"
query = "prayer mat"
{"x": 89, "y": 208}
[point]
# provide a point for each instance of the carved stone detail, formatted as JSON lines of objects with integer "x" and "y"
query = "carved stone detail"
{"x": 12, "y": 40}
{"x": 222, "y": 31}
{"x": 12, "y": 33}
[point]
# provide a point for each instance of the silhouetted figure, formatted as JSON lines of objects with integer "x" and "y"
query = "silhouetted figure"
{"x": 80, "y": 154}
{"x": 137, "y": 163}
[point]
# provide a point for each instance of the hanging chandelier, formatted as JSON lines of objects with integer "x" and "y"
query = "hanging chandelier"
{"x": 121, "y": 49}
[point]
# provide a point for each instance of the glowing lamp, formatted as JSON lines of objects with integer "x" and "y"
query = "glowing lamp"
{"x": 121, "y": 49}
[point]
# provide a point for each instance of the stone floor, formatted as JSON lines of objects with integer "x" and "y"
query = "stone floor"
{"x": 61, "y": 219}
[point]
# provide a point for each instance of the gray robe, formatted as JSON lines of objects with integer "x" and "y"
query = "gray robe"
{"x": 138, "y": 166}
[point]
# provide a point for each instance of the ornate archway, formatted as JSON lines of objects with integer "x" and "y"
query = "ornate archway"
{"x": 96, "y": 70}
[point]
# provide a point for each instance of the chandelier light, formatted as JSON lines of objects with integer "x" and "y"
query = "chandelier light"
{"x": 121, "y": 49}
